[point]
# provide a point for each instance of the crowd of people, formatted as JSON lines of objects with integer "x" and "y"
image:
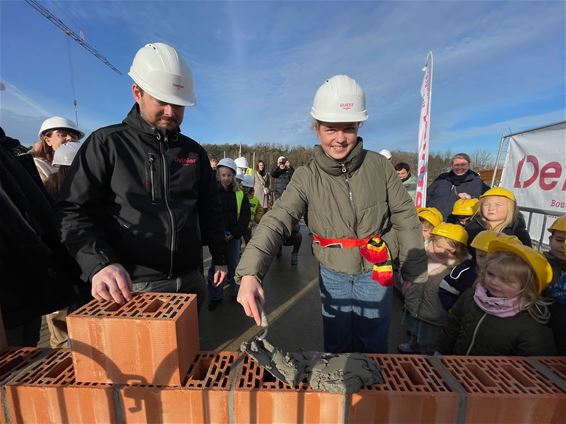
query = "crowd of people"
{"x": 129, "y": 210}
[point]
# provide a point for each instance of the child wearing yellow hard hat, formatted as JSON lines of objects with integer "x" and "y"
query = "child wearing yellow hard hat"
{"x": 557, "y": 288}
{"x": 463, "y": 211}
{"x": 429, "y": 218}
{"x": 424, "y": 313}
{"x": 497, "y": 211}
{"x": 504, "y": 313}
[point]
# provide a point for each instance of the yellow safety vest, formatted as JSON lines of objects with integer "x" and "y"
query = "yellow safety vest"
{"x": 239, "y": 199}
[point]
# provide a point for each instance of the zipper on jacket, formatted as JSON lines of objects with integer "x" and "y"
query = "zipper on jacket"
{"x": 162, "y": 145}
{"x": 151, "y": 159}
{"x": 475, "y": 333}
{"x": 345, "y": 173}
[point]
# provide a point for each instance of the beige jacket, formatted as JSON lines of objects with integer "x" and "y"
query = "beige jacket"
{"x": 354, "y": 199}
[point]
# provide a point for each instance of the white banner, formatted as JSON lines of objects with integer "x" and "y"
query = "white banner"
{"x": 424, "y": 131}
{"x": 535, "y": 171}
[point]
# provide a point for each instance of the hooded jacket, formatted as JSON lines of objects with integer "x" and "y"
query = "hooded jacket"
{"x": 139, "y": 197}
{"x": 355, "y": 198}
{"x": 443, "y": 191}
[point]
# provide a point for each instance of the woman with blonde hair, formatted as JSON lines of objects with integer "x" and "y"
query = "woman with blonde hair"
{"x": 54, "y": 133}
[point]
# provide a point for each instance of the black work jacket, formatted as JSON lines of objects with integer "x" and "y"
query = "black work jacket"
{"x": 140, "y": 197}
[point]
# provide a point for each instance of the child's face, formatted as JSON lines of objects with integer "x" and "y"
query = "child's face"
{"x": 497, "y": 286}
{"x": 441, "y": 249}
{"x": 494, "y": 208}
{"x": 556, "y": 243}
{"x": 225, "y": 176}
{"x": 427, "y": 228}
{"x": 481, "y": 258}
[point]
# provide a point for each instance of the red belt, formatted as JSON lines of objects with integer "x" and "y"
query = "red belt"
{"x": 344, "y": 243}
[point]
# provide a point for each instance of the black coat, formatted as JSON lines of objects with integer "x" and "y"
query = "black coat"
{"x": 443, "y": 191}
{"x": 519, "y": 335}
{"x": 234, "y": 223}
{"x": 517, "y": 228}
{"x": 138, "y": 197}
{"x": 37, "y": 274}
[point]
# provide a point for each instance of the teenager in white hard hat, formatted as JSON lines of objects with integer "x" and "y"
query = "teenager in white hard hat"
{"x": 353, "y": 197}
{"x": 142, "y": 197}
{"x": 54, "y": 133}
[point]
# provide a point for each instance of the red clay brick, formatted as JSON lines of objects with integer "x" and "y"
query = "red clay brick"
{"x": 12, "y": 361}
{"x": 506, "y": 389}
{"x": 152, "y": 339}
{"x": 203, "y": 399}
{"x": 48, "y": 392}
{"x": 260, "y": 398}
{"x": 557, "y": 364}
{"x": 412, "y": 391}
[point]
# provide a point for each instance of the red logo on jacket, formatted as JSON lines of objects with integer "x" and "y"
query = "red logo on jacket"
{"x": 190, "y": 160}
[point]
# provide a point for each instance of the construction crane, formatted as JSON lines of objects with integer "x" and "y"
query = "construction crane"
{"x": 68, "y": 31}
{"x": 79, "y": 39}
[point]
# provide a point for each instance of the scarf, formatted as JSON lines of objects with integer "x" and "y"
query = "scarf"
{"x": 458, "y": 179}
{"x": 499, "y": 306}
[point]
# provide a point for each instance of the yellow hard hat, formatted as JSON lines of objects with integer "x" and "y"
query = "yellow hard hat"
{"x": 465, "y": 207}
{"x": 452, "y": 231}
{"x": 432, "y": 215}
{"x": 536, "y": 260}
{"x": 482, "y": 240}
{"x": 558, "y": 225}
{"x": 499, "y": 191}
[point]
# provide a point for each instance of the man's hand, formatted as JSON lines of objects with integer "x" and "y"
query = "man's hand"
{"x": 112, "y": 283}
{"x": 220, "y": 272}
{"x": 464, "y": 196}
{"x": 249, "y": 294}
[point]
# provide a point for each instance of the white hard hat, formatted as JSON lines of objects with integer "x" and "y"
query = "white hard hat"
{"x": 281, "y": 159}
{"x": 240, "y": 176}
{"x": 386, "y": 153}
{"x": 228, "y": 163}
{"x": 158, "y": 69}
{"x": 56, "y": 122}
{"x": 248, "y": 181}
{"x": 339, "y": 99}
{"x": 241, "y": 162}
{"x": 65, "y": 154}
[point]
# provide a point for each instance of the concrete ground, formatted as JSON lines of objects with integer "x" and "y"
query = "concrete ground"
{"x": 292, "y": 307}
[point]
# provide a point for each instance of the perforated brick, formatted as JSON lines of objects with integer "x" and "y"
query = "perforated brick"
{"x": 557, "y": 364}
{"x": 152, "y": 339}
{"x": 204, "y": 398}
{"x": 260, "y": 398}
{"x": 12, "y": 361}
{"x": 47, "y": 392}
{"x": 412, "y": 391}
{"x": 506, "y": 389}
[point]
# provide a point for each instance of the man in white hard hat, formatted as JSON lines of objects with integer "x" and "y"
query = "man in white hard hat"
{"x": 361, "y": 219}
{"x": 141, "y": 198}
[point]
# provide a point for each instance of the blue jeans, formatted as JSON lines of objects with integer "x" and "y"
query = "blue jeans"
{"x": 232, "y": 257}
{"x": 356, "y": 312}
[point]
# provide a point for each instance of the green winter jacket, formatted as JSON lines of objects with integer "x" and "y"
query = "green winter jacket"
{"x": 356, "y": 198}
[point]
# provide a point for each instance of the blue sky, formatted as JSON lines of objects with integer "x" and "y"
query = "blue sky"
{"x": 498, "y": 66}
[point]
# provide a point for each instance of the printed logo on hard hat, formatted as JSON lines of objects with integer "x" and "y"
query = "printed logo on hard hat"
{"x": 346, "y": 106}
{"x": 178, "y": 86}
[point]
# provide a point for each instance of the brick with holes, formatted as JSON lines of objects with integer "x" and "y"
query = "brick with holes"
{"x": 412, "y": 391}
{"x": 48, "y": 392}
{"x": 204, "y": 398}
{"x": 504, "y": 389}
{"x": 260, "y": 398}
{"x": 151, "y": 339}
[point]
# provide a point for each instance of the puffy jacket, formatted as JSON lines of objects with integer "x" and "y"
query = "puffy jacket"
{"x": 422, "y": 300}
{"x": 354, "y": 199}
{"x": 471, "y": 331}
{"x": 139, "y": 197}
{"x": 282, "y": 178}
{"x": 443, "y": 191}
